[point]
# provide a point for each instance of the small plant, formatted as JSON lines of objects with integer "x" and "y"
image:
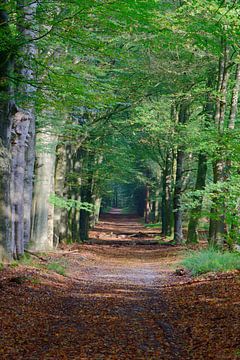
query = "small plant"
{"x": 14, "y": 264}
{"x": 211, "y": 260}
{"x": 56, "y": 267}
{"x": 36, "y": 281}
{"x": 152, "y": 226}
{"x": 237, "y": 352}
{"x": 1, "y": 266}
{"x": 28, "y": 260}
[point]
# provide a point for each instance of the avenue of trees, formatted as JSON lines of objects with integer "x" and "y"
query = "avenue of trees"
{"x": 106, "y": 97}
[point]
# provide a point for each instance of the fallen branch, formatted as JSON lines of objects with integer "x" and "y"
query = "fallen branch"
{"x": 37, "y": 256}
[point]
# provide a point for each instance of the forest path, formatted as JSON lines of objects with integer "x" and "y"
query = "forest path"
{"x": 118, "y": 302}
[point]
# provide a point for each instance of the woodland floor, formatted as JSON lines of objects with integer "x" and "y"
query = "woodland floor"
{"x": 119, "y": 299}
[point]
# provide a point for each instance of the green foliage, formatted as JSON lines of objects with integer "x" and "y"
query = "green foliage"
{"x": 153, "y": 226}
{"x": 56, "y": 267}
{"x": 69, "y": 204}
{"x": 237, "y": 352}
{"x": 211, "y": 260}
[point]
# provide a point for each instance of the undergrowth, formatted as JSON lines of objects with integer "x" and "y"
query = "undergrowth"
{"x": 211, "y": 260}
{"x": 152, "y": 226}
{"x": 56, "y": 267}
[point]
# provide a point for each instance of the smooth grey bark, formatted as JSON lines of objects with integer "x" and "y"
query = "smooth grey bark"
{"x": 217, "y": 222}
{"x": 76, "y": 194}
{"x": 234, "y": 101}
{"x": 5, "y": 216}
{"x": 192, "y": 236}
{"x": 166, "y": 213}
{"x": 21, "y": 122}
{"x": 177, "y": 197}
{"x": 86, "y": 196}
{"x": 156, "y": 207}
{"x": 23, "y": 131}
{"x": 60, "y": 214}
{"x": 96, "y": 213}
{"x": 42, "y": 210}
{"x": 7, "y": 109}
{"x": 147, "y": 205}
{"x": 27, "y": 71}
{"x": 96, "y": 199}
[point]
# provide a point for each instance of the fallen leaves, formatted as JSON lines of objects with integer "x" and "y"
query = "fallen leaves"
{"x": 118, "y": 303}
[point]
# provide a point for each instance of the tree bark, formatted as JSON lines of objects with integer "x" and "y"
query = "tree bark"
{"x": 217, "y": 223}
{"x": 234, "y": 101}
{"x": 23, "y": 131}
{"x": 86, "y": 196}
{"x": 6, "y": 109}
{"x": 147, "y": 205}
{"x": 167, "y": 195}
{"x": 192, "y": 236}
{"x": 177, "y": 211}
{"x": 60, "y": 215}
{"x": 42, "y": 233}
{"x": 20, "y": 130}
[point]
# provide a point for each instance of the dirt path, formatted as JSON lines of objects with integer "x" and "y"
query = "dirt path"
{"x": 120, "y": 300}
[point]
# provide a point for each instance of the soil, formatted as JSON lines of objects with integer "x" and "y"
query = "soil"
{"x": 121, "y": 298}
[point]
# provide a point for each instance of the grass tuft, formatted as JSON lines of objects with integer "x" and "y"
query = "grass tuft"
{"x": 56, "y": 267}
{"x": 153, "y": 225}
{"x": 211, "y": 260}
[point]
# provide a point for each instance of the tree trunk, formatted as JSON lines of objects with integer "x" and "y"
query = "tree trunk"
{"x": 20, "y": 130}
{"x": 28, "y": 52}
{"x": 23, "y": 132}
{"x": 60, "y": 214}
{"x": 147, "y": 205}
{"x": 6, "y": 108}
{"x": 234, "y": 101}
{"x": 86, "y": 196}
{"x": 156, "y": 206}
{"x": 167, "y": 196}
{"x": 192, "y": 236}
{"x": 177, "y": 211}
{"x": 217, "y": 222}
{"x": 42, "y": 211}
{"x": 76, "y": 193}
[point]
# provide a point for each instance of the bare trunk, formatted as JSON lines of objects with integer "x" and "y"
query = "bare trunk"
{"x": 20, "y": 130}
{"x": 192, "y": 236}
{"x": 60, "y": 215}
{"x": 177, "y": 212}
{"x": 234, "y": 101}
{"x": 177, "y": 197}
{"x": 42, "y": 210}
{"x": 217, "y": 222}
{"x": 5, "y": 131}
{"x": 23, "y": 132}
{"x": 86, "y": 196}
{"x": 167, "y": 196}
{"x": 147, "y": 205}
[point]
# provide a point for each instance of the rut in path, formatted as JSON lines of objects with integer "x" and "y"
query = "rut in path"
{"x": 119, "y": 301}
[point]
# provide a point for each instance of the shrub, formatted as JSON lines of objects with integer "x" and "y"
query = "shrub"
{"x": 211, "y": 260}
